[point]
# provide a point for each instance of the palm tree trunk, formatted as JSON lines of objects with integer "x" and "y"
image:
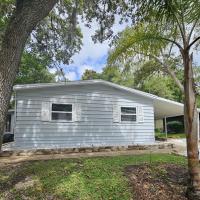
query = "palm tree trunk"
{"x": 26, "y": 16}
{"x": 191, "y": 116}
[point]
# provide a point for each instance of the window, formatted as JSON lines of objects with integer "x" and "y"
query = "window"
{"x": 61, "y": 112}
{"x": 8, "y": 123}
{"x": 128, "y": 114}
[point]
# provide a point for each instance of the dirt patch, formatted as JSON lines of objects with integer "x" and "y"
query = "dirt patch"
{"x": 160, "y": 182}
{"x": 26, "y": 183}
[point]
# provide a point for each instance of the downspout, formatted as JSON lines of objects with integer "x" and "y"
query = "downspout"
{"x": 165, "y": 127}
{"x": 198, "y": 126}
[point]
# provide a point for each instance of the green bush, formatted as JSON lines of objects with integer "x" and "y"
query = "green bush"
{"x": 175, "y": 127}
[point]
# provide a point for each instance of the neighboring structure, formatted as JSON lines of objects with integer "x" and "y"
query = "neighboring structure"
{"x": 9, "y": 127}
{"x": 8, "y": 135}
{"x": 85, "y": 114}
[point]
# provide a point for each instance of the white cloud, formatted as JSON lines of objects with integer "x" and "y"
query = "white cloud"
{"x": 71, "y": 75}
{"x": 91, "y": 56}
{"x": 93, "y": 51}
{"x": 52, "y": 70}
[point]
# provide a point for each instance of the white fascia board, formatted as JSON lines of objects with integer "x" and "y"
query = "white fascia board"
{"x": 86, "y": 82}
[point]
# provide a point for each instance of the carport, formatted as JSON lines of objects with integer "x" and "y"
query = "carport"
{"x": 164, "y": 108}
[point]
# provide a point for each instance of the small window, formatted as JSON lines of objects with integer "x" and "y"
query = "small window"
{"x": 8, "y": 123}
{"x": 61, "y": 112}
{"x": 128, "y": 114}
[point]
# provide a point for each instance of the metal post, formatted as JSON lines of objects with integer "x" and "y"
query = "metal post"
{"x": 198, "y": 126}
{"x": 166, "y": 127}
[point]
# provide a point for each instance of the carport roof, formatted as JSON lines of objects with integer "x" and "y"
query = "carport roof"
{"x": 162, "y": 107}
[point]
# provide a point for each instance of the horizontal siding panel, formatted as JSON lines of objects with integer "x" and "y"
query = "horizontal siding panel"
{"x": 100, "y": 101}
{"x": 86, "y": 141}
{"x": 37, "y": 99}
{"x": 80, "y": 133}
{"x": 93, "y": 106}
{"x": 81, "y": 123}
{"x": 79, "y": 136}
{"x": 89, "y": 143}
{"x": 96, "y": 125}
{"x": 88, "y": 118}
{"x": 80, "y": 94}
{"x": 86, "y": 106}
{"x": 82, "y": 129}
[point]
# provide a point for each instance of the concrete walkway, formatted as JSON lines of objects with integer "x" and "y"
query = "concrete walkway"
{"x": 17, "y": 159}
{"x": 180, "y": 146}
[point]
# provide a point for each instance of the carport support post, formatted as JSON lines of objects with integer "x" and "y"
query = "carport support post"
{"x": 198, "y": 126}
{"x": 165, "y": 126}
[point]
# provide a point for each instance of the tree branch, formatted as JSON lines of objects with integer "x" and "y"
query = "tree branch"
{"x": 192, "y": 29}
{"x": 170, "y": 72}
{"x": 179, "y": 25}
{"x": 173, "y": 41}
{"x": 193, "y": 42}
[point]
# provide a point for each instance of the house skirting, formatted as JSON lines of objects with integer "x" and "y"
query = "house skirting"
{"x": 153, "y": 147}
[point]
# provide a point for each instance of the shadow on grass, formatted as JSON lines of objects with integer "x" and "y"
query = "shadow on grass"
{"x": 86, "y": 178}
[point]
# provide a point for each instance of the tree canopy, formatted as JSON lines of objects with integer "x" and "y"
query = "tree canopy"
{"x": 34, "y": 70}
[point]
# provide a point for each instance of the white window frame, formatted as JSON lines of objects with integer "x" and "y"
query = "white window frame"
{"x": 57, "y": 120}
{"x": 136, "y": 114}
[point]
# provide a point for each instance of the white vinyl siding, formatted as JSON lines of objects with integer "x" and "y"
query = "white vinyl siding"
{"x": 45, "y": 111}
{"x": 93, "y": 118}
{"x": 140, "y": 114}
{"x": 116, "y": 113}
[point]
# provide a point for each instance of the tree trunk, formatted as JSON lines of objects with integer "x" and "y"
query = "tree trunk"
{"x": 190, "y": 113}
{"x": 25, "y": 18}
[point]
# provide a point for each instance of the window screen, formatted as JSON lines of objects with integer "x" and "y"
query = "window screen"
{"x": 128, "y": 114}
{"x": 61, "y": 112}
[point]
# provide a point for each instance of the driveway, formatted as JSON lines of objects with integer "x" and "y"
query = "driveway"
{"x": 180, "y": 146}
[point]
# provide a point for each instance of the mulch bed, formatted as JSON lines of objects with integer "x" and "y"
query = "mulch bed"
{"x": 157, "y": 182}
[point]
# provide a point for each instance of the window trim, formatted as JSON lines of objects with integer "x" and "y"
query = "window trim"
{"x": 136, "y": 114}
{"x": 57, "y": 120}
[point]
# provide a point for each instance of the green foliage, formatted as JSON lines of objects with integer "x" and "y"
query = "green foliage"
{"x": 149, "y": 77}
{"x": 175, "y": 126}
{"x": 58, "y": 36}
{"x": 6, "y": 9}
{"x": 34, "y": 70}
{"x": 158, "y": 86}
{"x": 90, "y": 74}
{"x": 112, "y": 74}
{"x": 198, "y": 101}
{"x": 159, "y": 135}
{"x": 146, "y": 78}
{"x": 168, "y": 12}
{"x": 83, "y": 178}
{"x": 140, "y": 39}
{"x": 115, "y": 75}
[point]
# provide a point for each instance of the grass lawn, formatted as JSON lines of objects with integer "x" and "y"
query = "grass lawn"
{"x": 75, "y": 179}
{"x": 170, "y": 135}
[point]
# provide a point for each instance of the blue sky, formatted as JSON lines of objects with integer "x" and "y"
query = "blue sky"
{"x": 92, "y": 56}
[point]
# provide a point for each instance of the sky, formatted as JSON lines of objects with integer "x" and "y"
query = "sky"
{"x": 92, "y": 56}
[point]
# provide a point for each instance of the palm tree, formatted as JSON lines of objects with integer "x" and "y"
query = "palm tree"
{"x": 164, "y": 29}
